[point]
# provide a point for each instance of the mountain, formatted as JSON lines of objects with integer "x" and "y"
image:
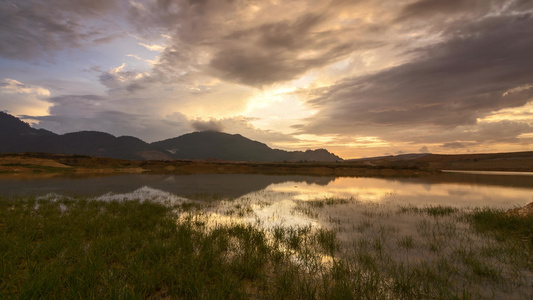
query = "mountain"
{"x": 96, "y": 143}
{"x": 217, "y": 145}
{"x": 18, "y": 136}
{"x": 235, "y": 147}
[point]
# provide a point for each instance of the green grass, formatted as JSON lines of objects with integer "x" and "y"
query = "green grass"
{"x": 502, "y": 225}
{"x": 88, "y": 249}
{"x": 107, "y": 250}
{"x": 434, "y": 211}
{"x": 76, "y": 247}
{"x": 329, "y": 201}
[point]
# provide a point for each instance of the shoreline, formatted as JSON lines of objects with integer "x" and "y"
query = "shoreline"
{"x": 43, "y": 164}
{"x": 49, "y": 165}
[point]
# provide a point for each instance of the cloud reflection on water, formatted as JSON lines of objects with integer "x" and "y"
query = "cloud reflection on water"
{"x": 392, "y": 191}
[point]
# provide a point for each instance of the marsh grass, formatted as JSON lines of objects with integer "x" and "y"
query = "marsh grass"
{"x": 328, "y": 201}
{"x": 81, "y": 248}
{"x": 434, "y": 211}
{"x": 502, "y": 225}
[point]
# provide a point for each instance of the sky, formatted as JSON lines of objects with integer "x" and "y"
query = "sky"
{"x": 360, "y": 78}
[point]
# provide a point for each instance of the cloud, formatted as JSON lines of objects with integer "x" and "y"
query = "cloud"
{"x": 20, "y": 99}
{"x": 243, "y": 125}
{"x": 491, "y": 134}
{"x": 429, "y": 8}
{"x": 12, "y": 86}
{"x": 211, "y": 125}
{"x": 32, "y": 29}
{"x": 453, "y": 145}
{"x": 521, "y": 5}
{"x": 152, "y": 47}
{"x": 424, "y": 149}
{"x": 453, "y": 83}
{"x": 77, "y": 106}
{"x": 502, "y": 131}
{"x": 270, "y": 44}
{"x": 387, "y": 75}
{"x": 118, "y": 77}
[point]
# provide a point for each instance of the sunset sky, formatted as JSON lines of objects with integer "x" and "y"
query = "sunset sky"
{"x": 357, "y": 77}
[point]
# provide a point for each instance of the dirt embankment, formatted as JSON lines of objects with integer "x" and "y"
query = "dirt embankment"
{"x": 27, "y": 161}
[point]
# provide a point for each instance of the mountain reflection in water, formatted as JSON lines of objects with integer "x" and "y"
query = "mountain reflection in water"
{"x": 456, "y": 189}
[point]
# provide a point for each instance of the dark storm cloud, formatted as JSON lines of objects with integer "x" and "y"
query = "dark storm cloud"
{"x": 34, "y": 28}
{"x": 454, "y": 82}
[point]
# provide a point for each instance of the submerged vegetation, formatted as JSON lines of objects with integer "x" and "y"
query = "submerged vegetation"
{"x": 85, "y": 248}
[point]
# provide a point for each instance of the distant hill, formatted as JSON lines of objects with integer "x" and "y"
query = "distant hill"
{"x": 18, "y": 136}
{"x": 509, "y": 161}
{"x": 235, "y": 147}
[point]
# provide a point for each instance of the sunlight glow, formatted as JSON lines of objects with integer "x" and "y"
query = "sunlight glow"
{"x": 522, "y": 113}
{"x": 277, "y": 109}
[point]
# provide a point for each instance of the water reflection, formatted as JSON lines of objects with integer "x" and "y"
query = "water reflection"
{"x": 221, "y": 185}
{"x": 406, "y": 191}
{"x": 453, "y": 189}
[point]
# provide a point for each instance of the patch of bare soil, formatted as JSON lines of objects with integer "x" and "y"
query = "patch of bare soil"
{"x": 525, "y": 211}
{"x": 21, "y": 160}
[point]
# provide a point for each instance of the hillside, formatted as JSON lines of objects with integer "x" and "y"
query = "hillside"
{"x": 511, "y": 161}
{"x": 217, "y": 145}
{"x": 18, "y": 136}
{"x": 235, "y": 147}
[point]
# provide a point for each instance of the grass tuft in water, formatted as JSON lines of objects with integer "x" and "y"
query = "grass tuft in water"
{"x": 502, "y": 225}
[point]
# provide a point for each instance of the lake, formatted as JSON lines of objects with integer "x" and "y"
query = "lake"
{"x": 457, "y": 189}
{"x": 386, "y": 227}
{"x": 284, "y": 200}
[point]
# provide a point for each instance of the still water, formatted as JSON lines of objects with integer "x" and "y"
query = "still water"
{"x": 449, "y": 188}
{"x": 370, "y": 217}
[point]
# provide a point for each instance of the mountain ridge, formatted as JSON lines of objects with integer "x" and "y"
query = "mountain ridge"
{"x": 18, "y": 136}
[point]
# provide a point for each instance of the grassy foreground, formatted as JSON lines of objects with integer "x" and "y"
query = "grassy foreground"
{"x": 79, "y": 248}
